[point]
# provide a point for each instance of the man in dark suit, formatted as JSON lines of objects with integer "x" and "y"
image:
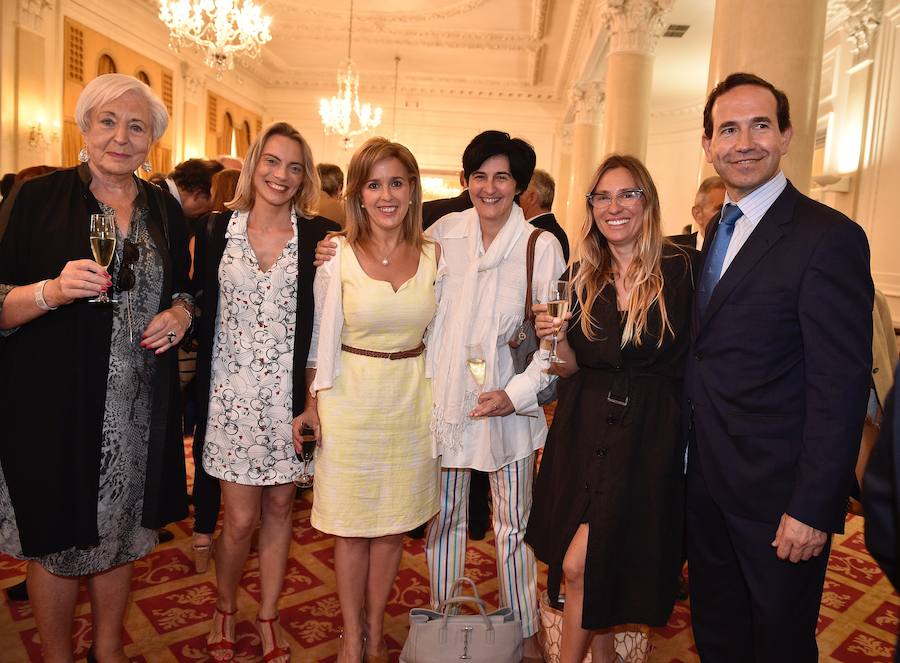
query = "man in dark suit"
{"x": 777, "y": 383}
{"x": 537, "y": 201}
{"x": 432, "y": 210}
{"x": 708, "y": 203}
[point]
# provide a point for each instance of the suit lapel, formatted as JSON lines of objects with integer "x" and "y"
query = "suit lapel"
{"x": 766, "y": 234}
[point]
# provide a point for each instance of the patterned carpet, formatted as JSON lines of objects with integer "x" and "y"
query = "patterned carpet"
{"x": 171, "y": 605}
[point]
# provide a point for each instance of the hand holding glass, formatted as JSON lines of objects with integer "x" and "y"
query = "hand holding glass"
{"x": 558, "y": 295}
{"x": 103, "y": 246}
{"x": 307, "y": 450}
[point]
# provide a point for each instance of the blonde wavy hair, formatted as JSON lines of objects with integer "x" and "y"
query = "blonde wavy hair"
{"x": 596, "y": 267}
{"x": 306, "y": 200}
{"x": 357, "y": 227}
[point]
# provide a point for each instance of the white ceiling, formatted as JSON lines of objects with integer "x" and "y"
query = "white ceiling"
{"x": 519, "y": 49}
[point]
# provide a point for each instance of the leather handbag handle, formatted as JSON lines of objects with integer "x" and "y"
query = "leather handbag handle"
{"x": 529, "y": 271}
{"x": 464, "y": 580}
{"x": 465, "y": 599}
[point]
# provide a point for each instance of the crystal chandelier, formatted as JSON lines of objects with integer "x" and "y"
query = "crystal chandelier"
{"x": 219, "y": 29}
{"x": 338, "y": 112}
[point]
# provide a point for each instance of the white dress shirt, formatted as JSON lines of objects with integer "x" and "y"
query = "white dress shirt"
{"x": 754, "y": 207}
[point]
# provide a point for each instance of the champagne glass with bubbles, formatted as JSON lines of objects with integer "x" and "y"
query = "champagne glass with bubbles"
{"x": 558, "y": 295}
{"x": 475, "y": 363}
{"x": 103, "y": 246}
{"x": 307, "y": 450}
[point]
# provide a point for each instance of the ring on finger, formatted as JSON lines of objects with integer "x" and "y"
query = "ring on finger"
{"x": 172, "y": 336}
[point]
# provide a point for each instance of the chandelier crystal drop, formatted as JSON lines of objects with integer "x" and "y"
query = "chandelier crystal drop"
{"x": 344, "y": 114}
{"x": 218, "y": 29}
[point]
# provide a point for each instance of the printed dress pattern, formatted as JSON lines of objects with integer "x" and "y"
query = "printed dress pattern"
{"x": 248, "y": 434}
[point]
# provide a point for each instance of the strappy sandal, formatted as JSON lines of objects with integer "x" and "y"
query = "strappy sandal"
{"x": 279, "y": 653}
{"x": 222, "y": 649}
{"x": 202, "y": 554}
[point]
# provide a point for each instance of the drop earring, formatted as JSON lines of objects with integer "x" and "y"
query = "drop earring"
{"x": 146, "y": 167}
{"x": 83, "y": 156}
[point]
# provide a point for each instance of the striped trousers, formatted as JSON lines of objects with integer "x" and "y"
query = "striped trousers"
{"x": 445, "y": 546}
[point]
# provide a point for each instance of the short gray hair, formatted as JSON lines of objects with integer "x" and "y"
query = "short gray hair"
{"x": 544, "y": 186}
{"x": 110, "y": 87}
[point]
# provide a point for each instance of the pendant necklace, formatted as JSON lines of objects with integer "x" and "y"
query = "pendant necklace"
{"x": 386, "y": 259}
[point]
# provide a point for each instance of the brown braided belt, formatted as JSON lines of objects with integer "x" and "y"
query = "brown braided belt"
{"x": 403, "y": 354}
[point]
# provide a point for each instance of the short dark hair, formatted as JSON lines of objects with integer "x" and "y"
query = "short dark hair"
{"x": 331, "y": 178}
{"x": 782, "y": 107}
{"x": 6, "y": 183}
{"x": 195, "y": 175}
{"x": 487, "y": 144}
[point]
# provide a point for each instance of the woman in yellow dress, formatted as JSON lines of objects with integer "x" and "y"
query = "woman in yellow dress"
{"x": 375, "y": 474}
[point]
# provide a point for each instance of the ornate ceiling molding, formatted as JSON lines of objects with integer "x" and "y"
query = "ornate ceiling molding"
{"x": 301, "y": 12}
{"x": 635, "y": 25}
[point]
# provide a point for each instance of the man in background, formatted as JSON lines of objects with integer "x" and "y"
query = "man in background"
{"x": 191, "y": 184}
{"x": 432, "y": 210}
{"x": 331, "y": 183}
{"x": 707, "y": 206}
{"x": 536, "y": 203}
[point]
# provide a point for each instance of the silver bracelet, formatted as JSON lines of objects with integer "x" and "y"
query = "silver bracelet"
{"x": 184, "y": 308}
{"x": 39, "y": 296}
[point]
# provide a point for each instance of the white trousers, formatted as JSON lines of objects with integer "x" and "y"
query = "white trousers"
{"x": 445, "y": 546}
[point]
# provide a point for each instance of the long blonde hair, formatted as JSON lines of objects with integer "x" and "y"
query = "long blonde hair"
{"x": 306, "y": 200}
{"x": 596, "y": 267}
{"x": 356, "y": 225}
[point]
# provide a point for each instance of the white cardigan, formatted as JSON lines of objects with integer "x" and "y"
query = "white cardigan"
{"x": 328, "y": 321}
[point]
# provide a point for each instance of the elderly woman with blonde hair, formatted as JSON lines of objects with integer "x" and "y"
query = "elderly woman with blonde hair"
{"x": 93, "y": 459}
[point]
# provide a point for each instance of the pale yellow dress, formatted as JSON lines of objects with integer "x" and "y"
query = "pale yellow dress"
{"x": 375, "y": 474}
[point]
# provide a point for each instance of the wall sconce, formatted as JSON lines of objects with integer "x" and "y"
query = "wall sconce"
{"x": 833, "y": 183}
{"x": 36, "y": 136}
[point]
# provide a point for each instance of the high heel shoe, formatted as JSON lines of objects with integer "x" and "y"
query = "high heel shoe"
{"x": 222, "y": 649}
{"x": 202, "y": 554}
{"x": 279, "y": 652}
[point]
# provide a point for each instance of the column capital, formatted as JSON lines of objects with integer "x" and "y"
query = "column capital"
{"x": 586, "y": 100}
{"x": 565, "y": 136}
{"x": 862, "y": 24}
{"x": 31, "y": 13}
{"x": 634, "y": 26}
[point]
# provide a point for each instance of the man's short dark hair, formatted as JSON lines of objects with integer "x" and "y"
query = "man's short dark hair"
{"x": 331, "y": 178}
{"x": 487, "y": 144}
{"x": 6, "y": 184}
{"x": 782, "y": 107}
{"x": 195, "y": 175}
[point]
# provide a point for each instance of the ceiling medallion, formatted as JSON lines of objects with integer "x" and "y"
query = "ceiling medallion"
{"x": 218, "y": 29}
{"x": 338, "y": 113}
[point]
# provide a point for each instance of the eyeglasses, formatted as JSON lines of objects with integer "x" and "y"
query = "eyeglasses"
{"x": 626, "y": 198}
{"x": 130, "y": 254}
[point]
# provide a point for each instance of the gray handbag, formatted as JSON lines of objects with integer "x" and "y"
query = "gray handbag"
{"x": 439, "y": 637}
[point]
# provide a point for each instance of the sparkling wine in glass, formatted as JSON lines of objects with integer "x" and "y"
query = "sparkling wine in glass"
{"x": 558, "y": 295}
{"x": 475, "y": 362}
{"x": 307, "y": 451}
{"x": 103, "y": 246}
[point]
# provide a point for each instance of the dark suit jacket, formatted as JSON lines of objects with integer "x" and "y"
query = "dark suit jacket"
{"x": 688, "y": 240}
{"x": 432, "y": 210}
{"x": 778, "y": 373}
{"x": 881, "y": 492}
{"x": 549, "y": 223}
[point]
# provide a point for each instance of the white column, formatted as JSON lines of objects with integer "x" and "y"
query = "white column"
{"x": 587, "y": 103}
{"x": 634, "y": 27}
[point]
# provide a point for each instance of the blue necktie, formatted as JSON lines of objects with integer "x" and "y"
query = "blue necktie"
{"x": 712, "y": 270}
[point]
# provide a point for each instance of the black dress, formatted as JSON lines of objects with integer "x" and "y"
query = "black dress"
{"x": 614, "y": 459}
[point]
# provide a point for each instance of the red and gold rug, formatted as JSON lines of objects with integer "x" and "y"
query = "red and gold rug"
{"x": 171, "y": 605}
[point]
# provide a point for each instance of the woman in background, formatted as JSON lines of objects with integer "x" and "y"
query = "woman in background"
{"x": 255, "y": 271}
{"x": 376, "y": 477}
{"x": 608, "y": 500}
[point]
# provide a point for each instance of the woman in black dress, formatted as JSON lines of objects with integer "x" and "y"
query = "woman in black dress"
{"x": 608, "y": 501}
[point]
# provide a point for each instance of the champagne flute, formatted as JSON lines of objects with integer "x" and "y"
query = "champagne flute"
{"x": 307, "y": 451}
{"x": 103, "y": 246}
{"x": 558, "y": 295}
{"x": 475, "y": 362}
